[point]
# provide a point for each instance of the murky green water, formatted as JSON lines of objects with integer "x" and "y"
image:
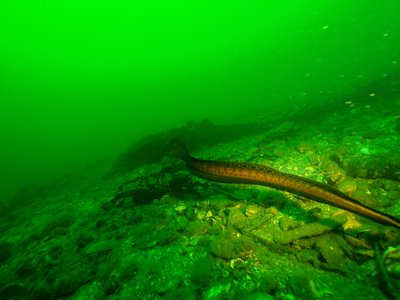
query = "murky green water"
{"x": 81, "y": 81}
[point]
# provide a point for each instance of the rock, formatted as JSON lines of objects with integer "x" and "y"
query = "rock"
{"x": 220, "y": 202}
{"x": 253, "y": 221}
{"x": 394, "y": 269}
{"x": 231, "y": 245}
{"x": 131, "y": 217}
{"x": 286, "y": 224}
{"x": 375, "y": 166}
{"x": 180, "y": 209}
{"x": 332, "y": 254}
{"x": 90, "y": 291}
{"x": 71, "y": 277}
{"x": 236, "y": 217}
{"x": 364, "y": 197}
{"x": 6, "y": 251}
{"x": 271, "y": 198}
{"x": 202, "y": 271}
{"x": 182, "y": 292}
{"x": 257, "y": 296}
{"x": 333, "y": 169}
{"x": 166, "y": 236}
{"x": 305, "y": 231}
{"x": 197, "y": 227}
{"x": 63, "y": 220}
{"x": 14, "y": 291}
{"x": 54, "y": 253}
{"x": 305, "y": 148}
{"x": 347, "y": 186}
{"x": 180, "y": 223}
{"x": 101, "y": 246}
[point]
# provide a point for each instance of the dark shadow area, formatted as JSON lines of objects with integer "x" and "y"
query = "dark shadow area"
{"x": 198, "y": 135}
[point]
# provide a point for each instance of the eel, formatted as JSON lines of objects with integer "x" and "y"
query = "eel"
{"x": 251, "y": 173}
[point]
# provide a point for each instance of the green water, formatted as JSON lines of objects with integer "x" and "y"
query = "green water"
{"x": 83, "y": 81}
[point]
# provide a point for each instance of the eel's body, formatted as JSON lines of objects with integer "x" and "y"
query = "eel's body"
{"x": 249, "y": 173}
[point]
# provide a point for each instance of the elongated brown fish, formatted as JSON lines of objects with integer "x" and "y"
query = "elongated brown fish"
{"x": 249, "y": 173}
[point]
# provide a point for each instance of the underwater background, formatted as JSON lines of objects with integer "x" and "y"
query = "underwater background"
{"x": 91, "y": 92}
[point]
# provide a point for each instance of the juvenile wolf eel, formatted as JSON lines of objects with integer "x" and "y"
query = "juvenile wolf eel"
{"x": 250, "y": 173}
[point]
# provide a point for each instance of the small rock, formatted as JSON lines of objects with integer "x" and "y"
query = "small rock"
{"x": 101, "y": 246}
{"x": 197, "y": 227}
{"x": 347, "y": 186}
{"x": 14, "y": 291}
{"x": 332, "y": 254}
{"x": 286, "y": 224}
{"x": 181, "y": 222}
{"x": 305, "y": 231}
{"x": 231, "y": 245}
{"x": 71, "y": 277}
{"x": 5, "y": 251}
{"x": 180, "y": 209}
{"x": 202, "y": 271}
